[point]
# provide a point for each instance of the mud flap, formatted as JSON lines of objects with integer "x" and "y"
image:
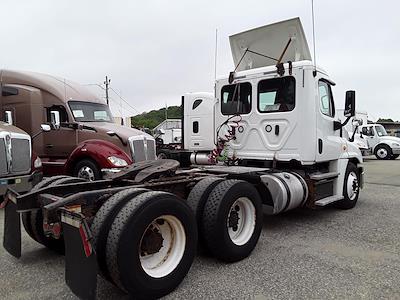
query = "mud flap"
{"x": 80, "y": 258}
{"x": 12, "y": 230}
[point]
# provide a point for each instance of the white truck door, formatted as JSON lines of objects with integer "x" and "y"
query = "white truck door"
{"x": 198, "y": 121}
{"x": 329, "y": 144}
{"x": 370, "y": 134}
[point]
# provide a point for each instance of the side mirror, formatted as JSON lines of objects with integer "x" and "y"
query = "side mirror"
{"x": 350, "y": 104}
{"x": 160, "y": 131}
{"x": 45, "y": 127}
{"x": 357, "y": 122}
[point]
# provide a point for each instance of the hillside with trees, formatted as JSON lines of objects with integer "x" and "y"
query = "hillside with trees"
{"x": 152, "y": 118}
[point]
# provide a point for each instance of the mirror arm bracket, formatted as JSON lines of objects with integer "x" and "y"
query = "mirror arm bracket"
{"x": 354, "y": 133}
{"x": 337, "y": 125}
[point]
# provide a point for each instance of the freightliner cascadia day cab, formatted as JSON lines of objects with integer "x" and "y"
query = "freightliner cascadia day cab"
{"x": 85, "y": 141}
{"x": 277, "y": 144}
{"x": 20, "y": 168}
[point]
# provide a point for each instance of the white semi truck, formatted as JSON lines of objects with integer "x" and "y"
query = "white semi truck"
{"x": 276, "y": 143}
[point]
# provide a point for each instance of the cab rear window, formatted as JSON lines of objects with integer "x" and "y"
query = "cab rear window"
{"x": 236, "y": 98}
{"x": 276, "y": 95}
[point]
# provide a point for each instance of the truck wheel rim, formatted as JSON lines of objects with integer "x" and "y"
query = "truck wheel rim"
{"x": 352, "y": 186}
{"x": 241, "y": 221}
{"x": 162, "y": 156}
{"x": 86, "y": 173}
{"x": 159, "y": 258}
{"x": 382, "y": 152}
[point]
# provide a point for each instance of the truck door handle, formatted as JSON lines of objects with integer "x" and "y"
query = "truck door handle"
{"x": 276, "y": 129}
{"x": 49, "y": 145}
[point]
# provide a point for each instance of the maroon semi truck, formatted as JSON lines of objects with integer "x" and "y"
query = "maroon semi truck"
{"x": 84, "y": 142}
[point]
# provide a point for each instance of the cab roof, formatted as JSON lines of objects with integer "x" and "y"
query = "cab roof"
{"x": 63, "y": 89}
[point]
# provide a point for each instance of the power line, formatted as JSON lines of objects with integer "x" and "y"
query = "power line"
{"x": 95, "y": 84}
{"x": 119, "y": 96}
{"x": 110, "y": 98}
{"x": 116, "y": 103}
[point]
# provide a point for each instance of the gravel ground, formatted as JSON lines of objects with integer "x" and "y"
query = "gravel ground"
{"x": 302, "y": 254}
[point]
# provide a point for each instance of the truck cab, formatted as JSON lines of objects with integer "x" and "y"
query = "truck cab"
{"x": 20, "y": 169}
{"x": 383, "y": 146}
{"x": 277, "y": 110}
{"x": 85, "y": 141}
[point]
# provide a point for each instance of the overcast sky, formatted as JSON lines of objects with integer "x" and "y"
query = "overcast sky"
{"x": 154, "y": 51}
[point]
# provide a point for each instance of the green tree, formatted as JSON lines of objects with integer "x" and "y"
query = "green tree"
{"x": 384, "y": 120}
{"x": 152, "y": 118}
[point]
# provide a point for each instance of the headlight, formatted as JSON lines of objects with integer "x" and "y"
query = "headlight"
{"x": 116, "y": 161}
{"x": 396, "y": 145}
{"x": 37, "y": 163}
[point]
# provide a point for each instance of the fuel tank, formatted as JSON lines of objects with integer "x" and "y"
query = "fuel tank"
{"x": 288, "y": 190}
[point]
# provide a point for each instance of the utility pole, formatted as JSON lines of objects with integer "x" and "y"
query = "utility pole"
{"x": 107, "y": 82}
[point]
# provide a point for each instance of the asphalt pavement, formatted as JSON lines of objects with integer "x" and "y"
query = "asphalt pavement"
{"x": 303, "y": 254}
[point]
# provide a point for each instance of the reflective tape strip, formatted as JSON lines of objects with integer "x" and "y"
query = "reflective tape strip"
{"x": 87, "y": 246}
{"x": 70, "y": 221}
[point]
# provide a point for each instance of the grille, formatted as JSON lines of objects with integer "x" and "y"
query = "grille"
{"x": 143, "y": 148}
{"x": 21, "y": 161}
{"x": 3, "y": 157}
{"x": 151, "y": 149}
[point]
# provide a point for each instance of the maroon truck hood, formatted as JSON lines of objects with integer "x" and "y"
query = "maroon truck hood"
{"x": 122, "y": 131}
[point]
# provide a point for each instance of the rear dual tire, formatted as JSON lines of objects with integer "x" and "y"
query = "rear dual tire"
{"x": 33, "y": 220}
{"x": 103, "y": 221}
{"x": 26, "y": 216}
{"x": 145, "y": 241}
{"x": 229, "y": 213}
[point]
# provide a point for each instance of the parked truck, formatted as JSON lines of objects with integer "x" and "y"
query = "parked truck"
{"x": 20, "y": 168}
{"x": 84, "y": 142}
{"x": 383, "y": 146}
{"x": 372, "y": 138}
{"x": 277, "y": 144}
{"x": 351, "y": 130}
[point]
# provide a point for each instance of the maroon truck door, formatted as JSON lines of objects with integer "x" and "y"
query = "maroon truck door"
{"x": 59, "y": 143}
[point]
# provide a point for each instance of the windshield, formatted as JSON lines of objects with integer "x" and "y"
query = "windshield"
{"x": 380, "y": 130}
{"x": 90, "y": 112}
